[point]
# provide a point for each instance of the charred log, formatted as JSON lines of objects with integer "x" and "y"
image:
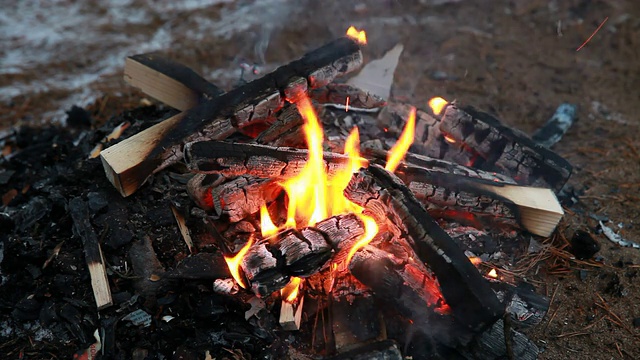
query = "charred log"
{"x": 505, "y": 149}
{"x": 464, "y": 289}
{"x": 269, "y": 264}
{"x": 232, "y": 159}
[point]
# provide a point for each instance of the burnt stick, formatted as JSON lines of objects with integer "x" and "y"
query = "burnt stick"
{"x": 168, "y": 81}
{"x": 92, "y": 252}
{"x": 464, "y": 289}
{"x": 129, "y": 163}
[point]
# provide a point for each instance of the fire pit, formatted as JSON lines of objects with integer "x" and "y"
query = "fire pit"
{"x": 372, "y": 235}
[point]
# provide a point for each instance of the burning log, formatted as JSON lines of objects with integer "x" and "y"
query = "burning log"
{"x": 464, "y": 289}
{"x": 168, "y": 81}
{"x": 288, "y": 119}
{"x": 341, "y": 94}
{"x": 232, "y": 159}
{"x": 235, "y": 199}
{"x": 536, "y": 209}
{"x": 269, "y": 264}
{"x": 505, "y": 149}
{"x": 129, "y": 163}
{"x": 92, "y": 252}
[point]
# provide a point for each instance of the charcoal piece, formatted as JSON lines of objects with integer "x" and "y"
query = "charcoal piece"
{"x": 5, "y": 176}
{"x": 78, "y": 117}
{"x": 555, "y": 128}
{"x": 491, "y": 345}
{"x": 97, "y": 201}
{"x": 147, "y": 268}
{"x": 379, "y": 350}
{"x": 48, "y": 313}
{"x": 7, "y": 224}
{"x": 26, "y": 309}
{"x": 264, "y": 271}
{"x": 209, "y": 266}
{"x": 73, "y": 321}
{"x": 305, "y": 251}
{"x": 37, "y": 208}
{"x": 584, "y": 245}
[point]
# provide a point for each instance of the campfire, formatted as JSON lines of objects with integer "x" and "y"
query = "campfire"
{"x": 371, "y": 233}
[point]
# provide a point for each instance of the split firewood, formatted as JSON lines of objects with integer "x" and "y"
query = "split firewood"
{"x": 129, "y": 163}
{"x": 291, "y": 305}
{"x": 536, "y": 209}
{"x": 182, "y": 226}
{"x": 387, "y": 199}
{"x": 232, "y": 159}
{"x": 505, "y": 149}
{"x": 92, "y": 252}
{"x": 168, "y": 81}
{"x": 269, "y": 264}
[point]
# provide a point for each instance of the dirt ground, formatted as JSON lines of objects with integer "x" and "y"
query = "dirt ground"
{"x": 516, "y": 59}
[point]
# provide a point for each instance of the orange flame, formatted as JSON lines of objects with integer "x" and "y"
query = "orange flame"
{"x": 401, "y": 146}
{"x": 449, "y": 139}
{"x": 475, "y": 260}
{"x": 359, "y": 36}
{"x": 267, "y": 227}
{"x": 233, "y": 262}
{"x": 493, "y": 274}
{"x": 437, "y": 104}
{"x": 290, "y": 291}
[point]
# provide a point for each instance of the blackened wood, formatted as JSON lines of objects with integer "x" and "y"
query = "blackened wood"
{"x": 526, "y": 307}
{"x": 555, "y": 128}
{"x": 199, "y": 189}
{"x": 242, "y": 196}
{"x": 131, "y": 162}
{"x": 428, "y": 139}
{"x": 505, "y": 149}
{"x": 232, "y": 159}
{"x": 464, "y": 289}
{"x": 287, "y": 119}
{"x": 491, "y": 345}
{"x": 338, "y": 93}
{"x": 354, "y": 321}
{"x": 412, "y": 160}
{"x": 168, "y": 81}
{"x": 92, "y": 252}
{"x": 209, "y": 266}
{"x": 269, "y": 264}
{"x": 379, "y": 350}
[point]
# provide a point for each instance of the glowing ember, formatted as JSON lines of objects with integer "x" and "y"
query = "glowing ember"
{"x": 234, "y": 263}
{"x": 493, "y": 274}
{"x": 359, "y": 36}
{"x": 449, "y": 139}
{"x": 401, "y": 146}
{"x": 437, "y": 104}
{"x": 290, "y": 292}
{"x": 346, "y": 105}
{"x": 475, "y": 260}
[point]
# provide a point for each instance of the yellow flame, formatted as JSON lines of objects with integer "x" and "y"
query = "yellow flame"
{"x": 290, "y": 291}
{"x": 437, "y": 104}
{"x": 493, "y": 273}
{"x": 370, "y": 231}
{"x": 233, "y": 262}
{"x": 359, "y": 36}
{"x": 399, "y": 149}
{"x": 267, "y": 227}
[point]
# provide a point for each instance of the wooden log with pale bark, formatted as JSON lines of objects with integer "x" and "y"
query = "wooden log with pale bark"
{"x": 129, "y": 163}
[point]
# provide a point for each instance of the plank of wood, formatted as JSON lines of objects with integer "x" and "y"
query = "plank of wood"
{"x": 291, "y": 314}
{"x": 92, "y": 252}
{"x": 168, "y": 81}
